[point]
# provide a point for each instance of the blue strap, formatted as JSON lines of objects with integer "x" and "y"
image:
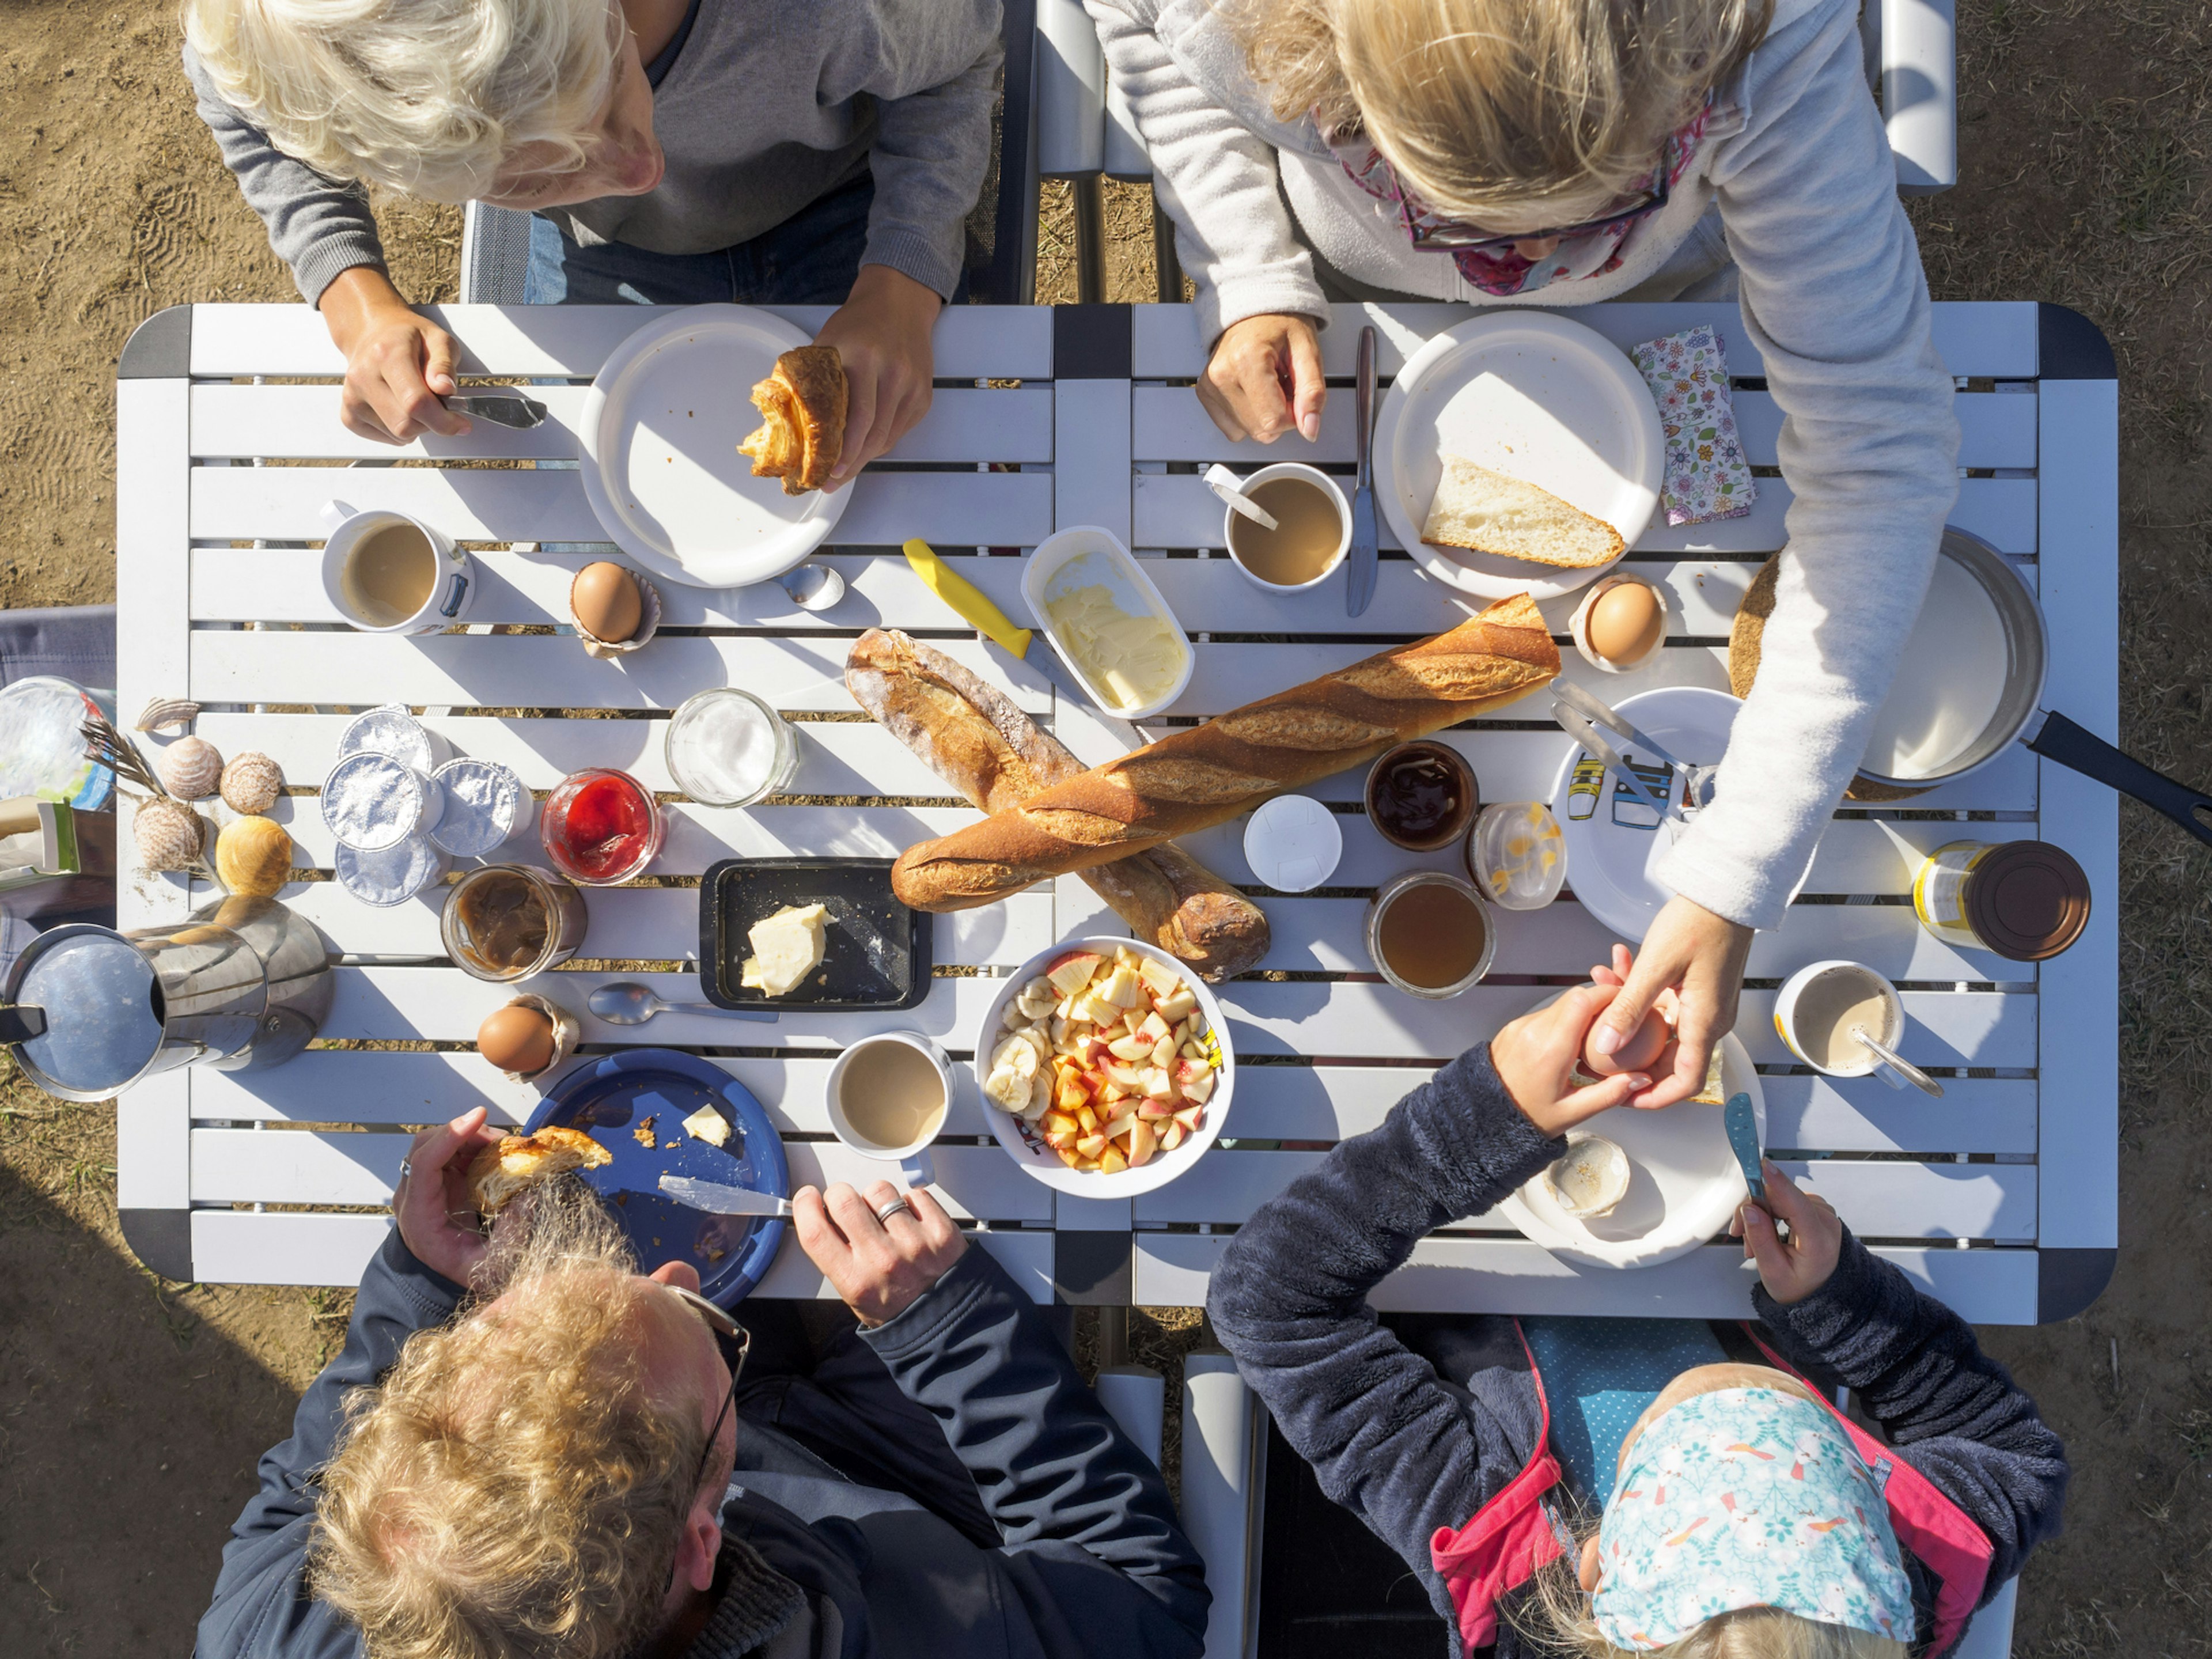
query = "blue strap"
{"x": 664, "y": 59}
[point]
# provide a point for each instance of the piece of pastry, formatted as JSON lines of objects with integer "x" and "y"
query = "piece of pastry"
{"x": 1490, "y": 513}
{"x": 802, "y": 430}
{"x": 513, "y": 1162}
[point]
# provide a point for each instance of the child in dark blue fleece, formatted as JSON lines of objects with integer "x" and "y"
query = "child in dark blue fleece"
{"x": 1742, "y": 1515}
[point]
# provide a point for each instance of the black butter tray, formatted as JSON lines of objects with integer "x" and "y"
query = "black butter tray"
{"x": 876, "y": 952}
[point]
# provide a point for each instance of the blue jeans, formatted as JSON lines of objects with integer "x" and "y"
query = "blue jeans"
{"x": 811, "y": 259}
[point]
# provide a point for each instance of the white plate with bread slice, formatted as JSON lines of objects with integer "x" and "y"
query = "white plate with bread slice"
{"x": 661, "y": 465}
{"x": 1519, "y": 430}
{"x": 1683, "y": 1184}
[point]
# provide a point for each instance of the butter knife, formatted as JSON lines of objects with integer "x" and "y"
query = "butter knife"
{"x": 501, "y": 409}
{"x": 1360, "y": 562}
{"x": 718, "y": 1199}
{"x": 1743, "y": 1139}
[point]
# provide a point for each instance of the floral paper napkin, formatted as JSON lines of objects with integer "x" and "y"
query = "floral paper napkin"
{"x": 1707, "y": 478}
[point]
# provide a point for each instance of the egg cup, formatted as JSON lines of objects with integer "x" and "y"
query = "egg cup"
{"x": 567, "y": 1028}
{"x": 1580, "y": 626}
{"x": 648, "y": 622}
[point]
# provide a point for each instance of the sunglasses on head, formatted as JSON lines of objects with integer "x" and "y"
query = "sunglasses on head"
{"x": 1430, "y": 231}
{"x": 720, "y": 1323}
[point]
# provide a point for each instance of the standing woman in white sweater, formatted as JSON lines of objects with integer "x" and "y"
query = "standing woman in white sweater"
{"x": 1561, "y": 153}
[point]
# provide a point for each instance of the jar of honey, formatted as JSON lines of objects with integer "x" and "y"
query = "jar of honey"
{"x": 2026, "y": 901}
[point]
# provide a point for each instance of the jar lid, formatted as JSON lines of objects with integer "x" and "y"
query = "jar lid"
{"x": 101, "y": 1004}
{"x": 1294, "y": 843}
{"x": 2027, "y": 900}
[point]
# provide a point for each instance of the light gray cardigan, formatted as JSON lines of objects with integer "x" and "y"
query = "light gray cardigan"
{"x": 1833, "y": 299}
{"x": 766, "y": 108}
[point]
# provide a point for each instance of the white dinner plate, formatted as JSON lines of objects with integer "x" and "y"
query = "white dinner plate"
{"x": 1538, "y": 398}
{"x": 1683, "y": 1183}
{"x": 661, "y": 430}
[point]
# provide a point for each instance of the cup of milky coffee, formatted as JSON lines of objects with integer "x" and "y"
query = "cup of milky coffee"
{"x": 1313, "y": 527}
{"x": 385, "y": 573}
{"x": 1819, "y": 1005}
{"x": 889, "y": 1094}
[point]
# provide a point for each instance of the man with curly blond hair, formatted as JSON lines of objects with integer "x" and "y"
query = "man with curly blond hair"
{"x": 528, "y": 1449}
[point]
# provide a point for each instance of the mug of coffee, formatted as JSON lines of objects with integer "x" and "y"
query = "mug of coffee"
{"x": 385, "y": 573}
{"x": 1313, "y": 528}
{"x": 1817, "y": 1008}
{"x": 888, "y": 1095}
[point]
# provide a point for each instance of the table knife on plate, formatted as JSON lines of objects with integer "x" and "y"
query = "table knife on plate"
{"x": 1360, "y": 561}
{"x": 501, "y": 409}
{"x": 716, "y": 1199}
{"x": 1742, "y": 1125}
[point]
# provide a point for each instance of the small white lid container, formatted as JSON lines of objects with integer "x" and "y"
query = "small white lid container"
{"x": 1294, "y": 843}
{"x": 421, "y": 801}
{"x": 389, "y": 729}
{"x": 1133, "y": 589}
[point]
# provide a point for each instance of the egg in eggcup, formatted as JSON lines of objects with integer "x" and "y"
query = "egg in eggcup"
{"x": 1621, "y": 623}
{"x": 523, "y": 1048}
{"x": 616, "y": 610}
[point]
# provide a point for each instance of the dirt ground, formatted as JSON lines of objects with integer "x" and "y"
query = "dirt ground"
{"x": 132, "y": 1410}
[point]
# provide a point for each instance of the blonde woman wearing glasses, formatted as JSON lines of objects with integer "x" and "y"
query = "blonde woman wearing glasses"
{"x": 1561, "y": 153}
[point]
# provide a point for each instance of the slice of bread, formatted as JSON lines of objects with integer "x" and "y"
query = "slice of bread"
{"x": 802, "y": 430}
{"x": 504, "y": 1169}
{"x": 1490, "y": 513}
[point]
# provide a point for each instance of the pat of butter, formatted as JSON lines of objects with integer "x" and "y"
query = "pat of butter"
{"x": 787, "y": 947}
{"x": 708, "y": 1124}
{"x": 1134, "y": 658}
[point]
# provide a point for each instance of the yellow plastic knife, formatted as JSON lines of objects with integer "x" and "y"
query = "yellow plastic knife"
{"x": 962, "y": 597}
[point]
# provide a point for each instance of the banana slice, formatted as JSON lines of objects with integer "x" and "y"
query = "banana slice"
{"x": 1040, "y": 1097}
{"x": 1003, "y": 1089}
{"x": 1019, "y": 1055}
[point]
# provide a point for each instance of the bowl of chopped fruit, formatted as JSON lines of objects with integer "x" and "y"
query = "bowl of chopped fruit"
{"x": 1105, "y": 1067}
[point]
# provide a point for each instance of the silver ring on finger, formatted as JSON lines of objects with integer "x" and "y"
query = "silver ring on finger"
{"x": 884, "y": 1212}
{"x": 406, "y": 1168}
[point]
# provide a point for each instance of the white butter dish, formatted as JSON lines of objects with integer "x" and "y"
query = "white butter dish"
{"x": 1086, "y": 556}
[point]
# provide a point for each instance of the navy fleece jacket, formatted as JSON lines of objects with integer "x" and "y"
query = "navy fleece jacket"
{"x": 1409, "y": 1452}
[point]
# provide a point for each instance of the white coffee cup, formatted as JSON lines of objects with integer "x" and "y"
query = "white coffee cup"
{"x": 1321, "y": 481}
{"x": 452, "y": 588}
{"x": 1789, "y": 1006}
{"x": 912, "y": 1157}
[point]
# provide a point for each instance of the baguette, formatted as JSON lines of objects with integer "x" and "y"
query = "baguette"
{"x": 1212, "y": 773}
{"x": 1490, "y": 512}
{"x": 994, "y": 754}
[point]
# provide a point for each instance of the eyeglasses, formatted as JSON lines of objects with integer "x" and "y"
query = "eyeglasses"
{"x": 1427, "y": 230}
{"x": 729, "y": 1330}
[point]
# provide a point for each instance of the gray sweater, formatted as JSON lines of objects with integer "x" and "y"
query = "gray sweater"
{"x": 766, "y": 108}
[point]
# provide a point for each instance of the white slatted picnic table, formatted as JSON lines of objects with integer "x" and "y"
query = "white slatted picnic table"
{"x": 2000, "y": 1197}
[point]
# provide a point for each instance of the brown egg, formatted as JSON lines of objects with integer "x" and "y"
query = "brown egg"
{"x": 1645, "y": 1045}
{"x": 516, "y": 1038}
{"x": 1626, "y": 623}
{"x": 606, "y": 602}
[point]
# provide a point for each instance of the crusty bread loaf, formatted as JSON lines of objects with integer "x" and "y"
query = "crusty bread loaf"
{"x": 1490, "y": 512}
{"x": 802, "y": 430}
{"x": 1211, "y": 773}
{"x": 981, "y": 744}
{"x": 513, "y": 1162}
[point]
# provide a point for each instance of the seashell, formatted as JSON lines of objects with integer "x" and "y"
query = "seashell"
{"x": 163, "y": 713}
{"x": 253, "y": 856}
{"x": 169, "y": 834}
{"x": 1591, "y": 1179}
{"x": 648, "y": 622}
{"x": 190, "y": 767}
{"x": 251, "y": 782}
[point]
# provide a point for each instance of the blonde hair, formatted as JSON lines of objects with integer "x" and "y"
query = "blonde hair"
{"x": 514, "y": 1489}
{"x": 1558, "y": 1617}
{"x": 424, "y": 97}
{"x": 1494, "y": 110}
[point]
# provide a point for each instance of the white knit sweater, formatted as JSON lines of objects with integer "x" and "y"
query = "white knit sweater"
{"x": 1833, "y": 299}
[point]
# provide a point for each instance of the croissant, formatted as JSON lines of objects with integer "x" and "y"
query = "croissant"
{"x": 802, "y": 430}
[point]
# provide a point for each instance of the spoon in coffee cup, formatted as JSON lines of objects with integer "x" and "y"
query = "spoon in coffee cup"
{"x": 1894, "y": 1065}
{"x": 1230, "y": 487}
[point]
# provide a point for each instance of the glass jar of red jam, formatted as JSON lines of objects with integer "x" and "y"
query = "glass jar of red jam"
{"x": 601, "y": 827}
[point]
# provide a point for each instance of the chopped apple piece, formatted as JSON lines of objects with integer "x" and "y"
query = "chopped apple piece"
{"x": 1071, "y": 972}
{"x": 1177, "y": 1005}
{"x": 1159, "y": 979}
{"x": 1132, "y": 1048}
{"x": 1189, "y": 1116}
{"x": 1151, "y": 1108}
{"x": 1164, "y": 1052}
{"x": 1121, "y": 989}
{"x": 1110, "y": 1162}
{"x": 1086, "y": 1166}
{"x": 1090, "y": 1146}
{"x": 1067, "y": 1155}
{"x": 1171, "y": 1138}
{"x": 1194, "y": 1079}
{"x": 1124, "y": 1118}
{"x": 1088, "y": 1117}
{"x": 1157, "y": 1084}
{"x": 1073, "y": 1096}
{"x": 1143, "y": 1143}
{"x": 1153, "y": 1028}
{"x": 1127, "y": 1076}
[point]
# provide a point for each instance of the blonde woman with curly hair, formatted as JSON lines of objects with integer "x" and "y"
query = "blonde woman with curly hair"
{"x": 672, "y": 152}
{"x": 1608, "y": 1488}
{"x": 529, "y": 1449}
{"x": 1561, "y": 153}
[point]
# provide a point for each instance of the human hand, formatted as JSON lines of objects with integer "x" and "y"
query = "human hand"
{"x": 436, "y": 1218}
{"x": 881, "y": 335}
{"x": 1699, "y": 956}
{"x": 398, "y": 364}
{"x": 1535, "y": 1057}
{"x": 1264, "y": 379}
{"x": 879, "y": 1268}
{"x": 1791, "y": 1268}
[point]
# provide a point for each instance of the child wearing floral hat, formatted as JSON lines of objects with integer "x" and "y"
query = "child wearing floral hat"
{"x": 1737, "y": 1511}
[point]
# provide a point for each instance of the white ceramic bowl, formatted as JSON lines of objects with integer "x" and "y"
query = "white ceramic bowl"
{"x": 1040, "y": 1160}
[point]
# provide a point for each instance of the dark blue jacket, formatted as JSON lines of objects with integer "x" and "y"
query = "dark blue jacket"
{"x": 1092, "y": 1561}
{"x": 1409, "y": 1452}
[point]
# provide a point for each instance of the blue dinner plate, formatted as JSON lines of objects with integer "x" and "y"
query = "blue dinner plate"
{"x": 611, "y": 1097}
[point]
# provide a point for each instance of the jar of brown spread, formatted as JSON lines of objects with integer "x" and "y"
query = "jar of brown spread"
{"x": 2024, "y": 900}
{"x": 1421, "y": 795}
